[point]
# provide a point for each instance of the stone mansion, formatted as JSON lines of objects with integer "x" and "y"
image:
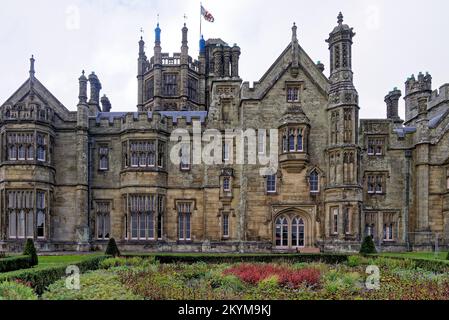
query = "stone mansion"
{"x": 73, "y": 179}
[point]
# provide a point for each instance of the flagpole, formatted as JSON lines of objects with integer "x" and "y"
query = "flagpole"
{"x": 201, "y": 19}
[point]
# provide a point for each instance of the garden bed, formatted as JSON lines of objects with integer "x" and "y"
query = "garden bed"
{"x": 135, "y": 278}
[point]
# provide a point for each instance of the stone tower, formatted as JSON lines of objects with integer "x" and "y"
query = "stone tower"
{"x": 342, "y": 217}
{"x": 414, "y": 90}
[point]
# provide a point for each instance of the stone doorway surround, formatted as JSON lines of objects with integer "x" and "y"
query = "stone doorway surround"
{"x": 308, "y": 213}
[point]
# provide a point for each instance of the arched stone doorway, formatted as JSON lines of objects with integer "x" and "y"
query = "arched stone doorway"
{"x": 293, "y": 230}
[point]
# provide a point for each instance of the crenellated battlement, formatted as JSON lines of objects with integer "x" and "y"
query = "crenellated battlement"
{"x": 439, "y": 96}
{"x": 164, "y": 120}
{"x": 423, "y": 83}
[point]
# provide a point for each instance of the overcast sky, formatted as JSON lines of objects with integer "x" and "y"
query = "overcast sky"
{"x": 394, "y": 40}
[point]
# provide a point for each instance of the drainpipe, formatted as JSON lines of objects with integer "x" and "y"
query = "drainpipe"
{"x": 89, "y": 186}
{"x": 408, "y": 156}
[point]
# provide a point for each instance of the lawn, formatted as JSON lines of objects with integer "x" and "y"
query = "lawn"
{"x": 47, "y": 261}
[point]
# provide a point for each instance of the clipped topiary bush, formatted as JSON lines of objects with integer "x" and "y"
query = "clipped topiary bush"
{"x": 30, "y": 250}
{"x": 15, "y": 263}
{"x": 112, "y": 249}
{"x": 368, "y": 246}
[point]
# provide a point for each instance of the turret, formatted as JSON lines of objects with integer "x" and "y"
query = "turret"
{"x": 415, "y": 89}
{"x": 202, "y": 57}
{"x": 392, "y": 101}
{"x": 83, "y": 107}
{"x": 157, "y": 68}
{"x": 141, "y": 63}
{"x": 340, "y": 46}
{"x": 184, "y": 62}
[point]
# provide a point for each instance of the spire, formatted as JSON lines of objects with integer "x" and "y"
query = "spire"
{"x": 295, "y": 52}
{"x": 202, "y": 45}
{"x": 32, "y": 70}
{"x": 340, "y": 18}
{"x": 185, "y": 31}
{"x": 141, "y": 47}
{"x": 157, "y": 32}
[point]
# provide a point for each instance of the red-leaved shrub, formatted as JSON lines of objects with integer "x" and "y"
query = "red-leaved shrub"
{"x": 255, "y": 273}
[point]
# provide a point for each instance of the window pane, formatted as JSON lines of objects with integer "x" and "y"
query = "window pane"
{"x": 100, "y": 226}
{"x": 40, "y": 224}
{"x": 107, "y": 226}
{"x": 142, "y": 226}
{"x": 150, "y": 222}
{"x": 225, "y": 225}
{"x": 134, "y": 226}
{"x": 12, "y": 224}
{"x": 30, "y": 224}
{"x": 181, "y": 226}
{"x": 187, "y": 226}
{"x": 21, "y": 226}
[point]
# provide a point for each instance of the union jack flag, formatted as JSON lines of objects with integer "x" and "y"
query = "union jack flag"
{"x": 207, "y": 15}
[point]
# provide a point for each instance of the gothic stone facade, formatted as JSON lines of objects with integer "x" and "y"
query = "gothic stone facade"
{"x": 71, "y": 180}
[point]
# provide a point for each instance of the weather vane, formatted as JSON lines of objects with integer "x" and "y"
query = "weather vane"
{"x": 185, "y": 17}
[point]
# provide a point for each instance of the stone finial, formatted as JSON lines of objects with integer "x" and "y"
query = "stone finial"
{"x": 294, "y": 32}
{"x": 83, "y": 89}
{"x": 32, "y": 70}
{"x": 340, "y": 18}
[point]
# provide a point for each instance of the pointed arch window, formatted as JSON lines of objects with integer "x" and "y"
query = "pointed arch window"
{"x": 300, "y": 141}
{"x": 282, "y": 232}
{"x": 291, "y": 140}
{"x": 314, "y": 181}
{"x": 298, "y": 232}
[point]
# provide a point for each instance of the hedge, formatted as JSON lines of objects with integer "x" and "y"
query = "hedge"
{"x": 236, "y": 258}
{"x": 439, "y": 266}
{"x": 15, "y": 263}
{"x": 41, "y": 278}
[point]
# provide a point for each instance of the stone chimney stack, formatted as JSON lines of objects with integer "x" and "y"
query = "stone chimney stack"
{"x": 95, "y": 88}
{"x": 392, "y": 101}
{"x": 106, "y": 104}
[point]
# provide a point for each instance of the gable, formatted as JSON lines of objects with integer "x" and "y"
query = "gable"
{"x": 34, "y": 92}
{"x": 279, "y": 68}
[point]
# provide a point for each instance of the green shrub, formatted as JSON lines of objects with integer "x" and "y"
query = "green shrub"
{"x": 30, "y": 250}
{"x": 356, "y": 261}
{"x": 112, "y": 249}
{"x": 447, "y": 257}
{"x": 16, "y": 291}
{"x": 269, "y": 284}
{"x": 41, "y": 278}
{"x": 368, "y": 246}
{"x": 15, "y": 263}
{"x": 126, "y": 262}
{"x": 337, "y": 281}
{"x": 98, "y": 285}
